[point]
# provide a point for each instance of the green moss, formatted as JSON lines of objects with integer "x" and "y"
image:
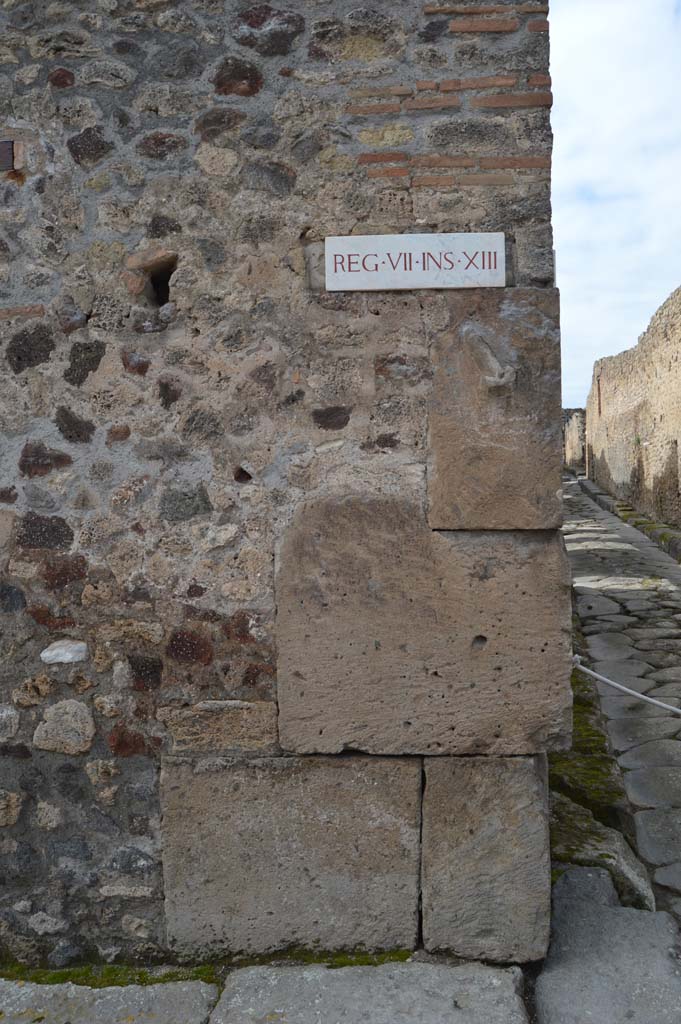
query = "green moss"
{"x": 107, "y": 975}
{"x": 588, "y": 774}
{"x": 332, "y": 959}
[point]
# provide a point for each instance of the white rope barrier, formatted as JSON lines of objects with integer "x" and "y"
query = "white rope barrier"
{"x": 625, "y": 689}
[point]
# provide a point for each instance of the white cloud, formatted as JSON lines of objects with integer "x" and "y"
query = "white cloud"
{"x": 617, "y": 173}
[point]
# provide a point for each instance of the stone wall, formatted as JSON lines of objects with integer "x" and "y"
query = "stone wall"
{"x": 633, "y": 419}
{"x": 248, "y": 525}
{"x": 574, "y": 439}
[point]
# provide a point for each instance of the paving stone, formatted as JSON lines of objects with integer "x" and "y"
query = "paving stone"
{"x": 607, "y": 964}
{"x": 630, "y": 707}
{"x": 587, "y": 607}
{"x": 651, "y": 633}
{"x": 654, "y": 787}
{"x": 431, "y": 619}
{"x": 485, "y": 862}
{"x": 655, "y": 753}
{"x": 626, "y": 733}
{"x": 665, "y": 691}
{"x": 411, "y": 993}
{"x": 269, "y": 853}
{"x": 181, "y": 1002}
{"x": 638, "y": 685}
{"x": 667, "y": 675}
{"x": 607, "y": 647}
{"x": 621, "y": 671}
{"x": 658, "y": 834}
{"x": 669, "y": 876}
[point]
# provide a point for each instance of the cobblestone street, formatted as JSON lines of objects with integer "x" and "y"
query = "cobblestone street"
{"x": 629, "y": 608}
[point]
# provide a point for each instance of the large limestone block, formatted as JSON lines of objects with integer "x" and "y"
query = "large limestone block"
{"x": 394, "y": 639}
{"x": 270, "y": 853}
{"x": 486, "y": 861}
{"x": 495, "y": 414}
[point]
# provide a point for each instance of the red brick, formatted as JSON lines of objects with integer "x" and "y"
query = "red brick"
{"x": 532, "y": 9}
{"x": 538, "y": 26}
{"x": 15, "y": 312}
{"x": 513, "y": 99}
{"x": 434, "y": 103}
{"x": 388, "y": 172}
{"x": 484, "y": 25}
{"x": 443, "y": 161}
{"x": 424, "y": 86}
{"x": 491, "y": 82}
{"x": 519, "y": 162}
{"x": 374, "y": 108}
{"x": 540, "y": 79}
{"x": 382, "y": 158}
{"x": 484, "y": 179}
{"x": 433, "y": 181}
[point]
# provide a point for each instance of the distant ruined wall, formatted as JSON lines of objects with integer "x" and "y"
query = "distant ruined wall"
{"x": 574, "y": 439}
{"x": 633, "y": 418}
{"x": 247, "y": 525}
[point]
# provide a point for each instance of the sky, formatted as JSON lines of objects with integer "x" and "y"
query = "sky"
{"x": 616, "y": 69}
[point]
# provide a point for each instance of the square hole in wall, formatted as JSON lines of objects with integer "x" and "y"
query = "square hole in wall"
{"x": 6, "y": 155}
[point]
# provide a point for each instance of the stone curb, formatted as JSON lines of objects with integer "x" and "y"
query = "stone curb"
{"x": 666, "y": 537}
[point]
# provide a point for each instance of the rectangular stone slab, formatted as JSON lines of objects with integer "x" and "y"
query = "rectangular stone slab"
{"x": 495, "y": 455}
{"x": 486, "y": 862}
{"x": 270, "y": 853}
{"x": 392, "y": 993}
{"x": 394, "y": 639}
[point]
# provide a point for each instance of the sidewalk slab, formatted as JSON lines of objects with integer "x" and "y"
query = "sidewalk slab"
{"x": 410, "y": 993}
{"x": 181, "y": 1002}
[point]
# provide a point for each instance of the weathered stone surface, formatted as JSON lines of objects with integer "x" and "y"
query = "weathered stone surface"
{"x": 485, "y": 884}
{"x": 606, "y": 963}
{"x": 626, "y": 733}
{"x": 578, "y": 838}
{"x": 221, "y": 727}
{"x": 658, "y": 834}
{"x": 180, "y": 1002}
{"x": 67, "y": 728}
{"x": 409, "y": 993}
{"x": 313, "y": 852}
{"x": 654, "y": 787}
{"x": 587, "y": 607}
{"x": 494, "y": 416}
{"x": 610, "y": 647}
{"x": 394, "y": 639}
{"x": 653, "y": 754}
{"x": 10, "y": 807}
{"x": 9, "y": 722}
{"x": 669, "y": 876}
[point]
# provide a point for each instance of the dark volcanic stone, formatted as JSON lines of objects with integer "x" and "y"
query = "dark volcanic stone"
{"x": 335, "y": 417}
{"x": 8, "y": 495}
{"x": 44, "y": 532}
{"x": 187, "y": 646}
{"x": 160, "y": 226}
{"x": 37, "y": 460}
{"x": 268, "y": 31}
{"x": 235, "y": 77}
{"x": 269, "y": 176}
{"x": 147, "y": 673}
{"x": 30, "y": 347}
{"x": 214, "y": 123}
{"x": 169, "y": 391}
{"x": 72, "y": 427}
{"x": 178, "y": 504}
{"x": 178, "y": 59}
{"x": 11, "y": 599}
{"x": 160, "y": 145}
{"x": 125, "y": 742}
{"x": 261, "y": 136}
{"x": 136, "y": 363}
{"x": 60, "y": 570}
{"x": 61, "y": 78}
{"x": 84, "y": 359}
{"x": 65, "y": 953}
{"x": 89, "y": 147}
